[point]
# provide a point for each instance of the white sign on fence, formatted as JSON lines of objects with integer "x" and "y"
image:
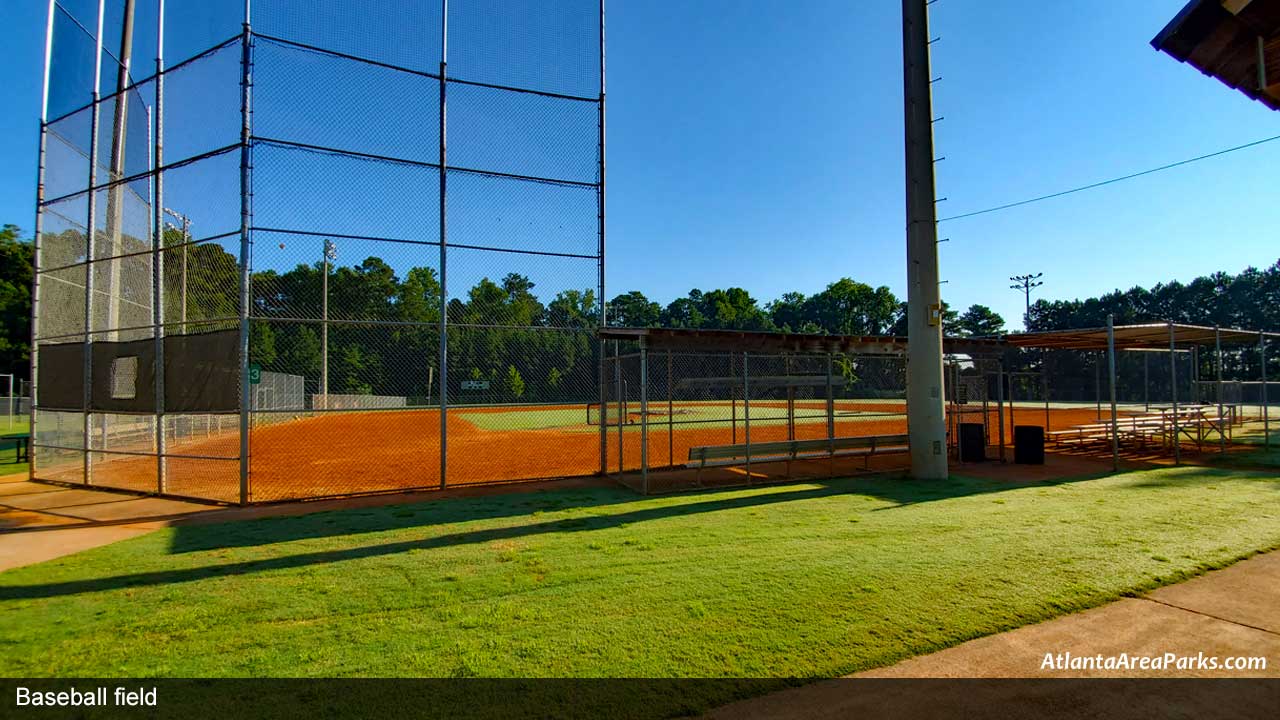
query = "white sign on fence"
{"x": 475, "y": 384}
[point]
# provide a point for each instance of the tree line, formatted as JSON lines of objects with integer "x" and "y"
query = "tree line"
{"x": 529, "y": 344}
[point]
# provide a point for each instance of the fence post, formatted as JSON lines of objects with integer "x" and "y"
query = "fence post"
{"x": 999, "y": 405}
{"x": 1146, "y": 385}
{"x": 831, "y": 409}
{"x": 671, "y": 442}
{"x": 644, "y": 416}
{"x": 1217, "y": 353}
{"x": 90, "y": 234}
{"x": 246, "y": 113}
{"x": 617, "y": 389}
{"x": 1111, "y": 375}
{"x": 1173, "y": 389}
{"x": 746, "y": 411}
{"x": 442, "y": 133}
{"x": 600, "y": 231}
{"x": 157, "y": 261}
{"x": 1266, "y": 422}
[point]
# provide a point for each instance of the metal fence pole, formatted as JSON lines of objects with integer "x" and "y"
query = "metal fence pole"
{"x": 1111, "y": 375}
{"x": 1097, "y": 385}
{"x": 617, "y": 376}
{"x": 35, "y": 241}
{"x": 644, "y": 417}
{"x": 831, "y": 409}
{"x": 246, "y": 163}
{"x": 600, "y": 211}
{"x": 1146, "y": 384}
{"x": 90, "y": 237}
{"x": 733, "y": 404}
{"x": 1217, "y": 353}
{"x": 444, "y": 248}
{"x": 157, "y": 262}
{"x": 1266, "y": 421}
{"x": 1044, "y": 386}
{"x": 671, "y": 446}
{"x": 1000, "y": 404}
{"x": 746, "y": 411}
{"x": 1173, "y": 388}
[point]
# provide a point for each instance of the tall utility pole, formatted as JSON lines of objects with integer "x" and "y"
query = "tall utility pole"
{"x": 186, "y": 238}
{"x": 926, "y": 419}
{"x": 115, "y": 196}
{"x": 1026, "y": 283}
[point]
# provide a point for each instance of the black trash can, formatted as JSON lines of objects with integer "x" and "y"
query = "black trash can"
{"x": 1028, "y": 445}
{"x": 973, "y": 442}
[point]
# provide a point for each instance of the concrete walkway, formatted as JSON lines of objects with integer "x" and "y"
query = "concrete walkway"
{"x": 41, "y": 522}
{"x": 1231, "y": 612}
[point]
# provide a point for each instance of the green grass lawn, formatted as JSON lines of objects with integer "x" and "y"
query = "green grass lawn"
{"x": 706, "y": 414}
{"x": 791, "y": 581}
{"x": 20, "y": 424}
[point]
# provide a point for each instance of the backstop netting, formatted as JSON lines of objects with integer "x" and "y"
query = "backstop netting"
{"x": 291, "y": 250}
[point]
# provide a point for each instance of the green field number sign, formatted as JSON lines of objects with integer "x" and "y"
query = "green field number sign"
{"x": 475, "y": 384}
{"x": 255, "y": 374}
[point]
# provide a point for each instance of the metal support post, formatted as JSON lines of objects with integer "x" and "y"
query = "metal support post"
{"x": 746, "y": 411}
{"x": 671, "y": 435}
{"x": 246, "y": 188}
{"x": 644, "y": 416}
{"x": 831, "y": 408}
{"x": 1097, "y": 385}
{"x": 926, "y": 412}
{"x": 1111, "y": 375}
{"x": 621, "y": 413}
{"x": 1146, "y": 384}
{"x": 1044, "y": 386}
{"x": 1173, "y": 387}
{"x": 36, "y": 244}
{"x": 600, "y": 231}
{"x": 157, "y": 250}
{"x": 1266, "y": 416}
{"x": 1222, "y": 421}
{"x": 1000, "y": 404}
{"x": 90, "y": 252}
{"x": 443, "y": 358}
{"x": 733, "y": 404}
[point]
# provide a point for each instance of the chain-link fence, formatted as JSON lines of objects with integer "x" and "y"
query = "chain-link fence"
{"x": 288, "y": 253}
{"x": 678, "y": 419}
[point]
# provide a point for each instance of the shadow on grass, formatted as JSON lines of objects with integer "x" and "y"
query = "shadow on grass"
{"x": 344, "y": 523}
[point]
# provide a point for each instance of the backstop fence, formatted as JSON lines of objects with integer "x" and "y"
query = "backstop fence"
{"x": 290, "y": 249}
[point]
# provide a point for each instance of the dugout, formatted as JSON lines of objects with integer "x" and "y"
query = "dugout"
{"x": 684, "y": 408}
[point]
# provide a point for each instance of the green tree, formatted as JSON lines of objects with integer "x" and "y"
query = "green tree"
{"x": 515, "y": 383}
{"x": 16, "y": 258}
{"x": 979, "y": 321}
{"x": 633, "y": 309}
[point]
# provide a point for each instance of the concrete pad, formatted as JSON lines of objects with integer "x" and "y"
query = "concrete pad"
{"x": 61, "y": 498}
{"x": 29, "y": 547}
{"x": 1131, "y": 626}
{"x": 1247, "y": 593}
{"x": 24, "y": 487}
{"x": 137, "y": 509}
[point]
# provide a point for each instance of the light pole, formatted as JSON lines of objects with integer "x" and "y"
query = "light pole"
{"x": 186, "y": 239}
{"x": 329, "y": 255}
{"x": 1026, "y": 283}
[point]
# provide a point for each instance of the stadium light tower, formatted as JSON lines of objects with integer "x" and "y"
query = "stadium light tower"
{"x": 186, "y": 238}
{"x": 926, "y": 419}
{"x": 1026, "y": 283}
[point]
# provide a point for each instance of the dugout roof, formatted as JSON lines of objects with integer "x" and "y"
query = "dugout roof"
{"x": 780, "y": 342}
{"x": 1150, "y": 336}
{"x": 1235, "y": 41}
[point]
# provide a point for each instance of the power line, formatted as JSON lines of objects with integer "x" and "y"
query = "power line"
{"x": 1109, "y": 182}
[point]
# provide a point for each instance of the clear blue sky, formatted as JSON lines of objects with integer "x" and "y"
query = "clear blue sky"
{"x": 759, "y": 144}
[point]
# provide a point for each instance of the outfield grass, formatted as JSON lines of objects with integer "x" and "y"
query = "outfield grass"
{"x": 803, "y": 580}
{"x": 707, "y": 414}
{"x": 20, "y": 424}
